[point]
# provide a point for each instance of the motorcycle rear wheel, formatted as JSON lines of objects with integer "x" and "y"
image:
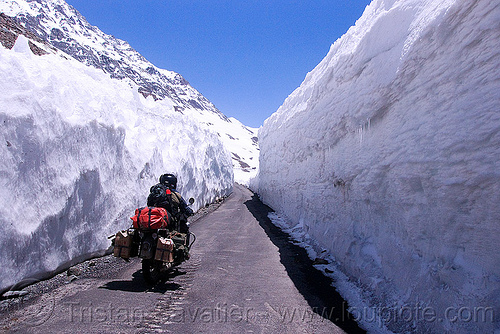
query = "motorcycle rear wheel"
{"x": 151, "y": 271}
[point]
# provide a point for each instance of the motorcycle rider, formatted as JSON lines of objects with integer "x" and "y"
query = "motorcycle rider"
{"x": 165, "y": 195}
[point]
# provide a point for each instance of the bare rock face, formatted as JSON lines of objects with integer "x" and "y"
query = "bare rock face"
{"x": 10, "y": 29}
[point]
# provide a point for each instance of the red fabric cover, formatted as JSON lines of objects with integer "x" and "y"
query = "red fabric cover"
{"x": 151, "y": 218}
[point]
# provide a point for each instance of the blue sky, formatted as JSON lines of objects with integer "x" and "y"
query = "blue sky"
{"x": 244, "y": 56}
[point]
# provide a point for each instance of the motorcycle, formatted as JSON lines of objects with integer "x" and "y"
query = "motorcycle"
{"x": 161, "y": 249}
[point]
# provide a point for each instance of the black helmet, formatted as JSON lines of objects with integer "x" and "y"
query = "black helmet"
{"x": 169, "y": 180}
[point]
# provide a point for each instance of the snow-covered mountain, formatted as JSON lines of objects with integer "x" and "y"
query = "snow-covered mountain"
{"x": 66, "y": 29}
{"x": 387, "y": 157}
{"x": 83, "y": 144}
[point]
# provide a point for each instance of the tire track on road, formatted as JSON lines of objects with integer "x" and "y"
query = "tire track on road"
{"x": 171, "y": 303}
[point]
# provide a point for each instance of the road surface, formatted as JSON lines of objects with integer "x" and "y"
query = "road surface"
{"x": 244, "y": 276}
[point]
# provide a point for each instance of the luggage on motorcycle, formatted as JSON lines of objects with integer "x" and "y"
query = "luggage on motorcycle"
{"x": 164, "y": 250}
{"x": 123, "y": 245}
{"x": 179, "y": 239}
{"x": 181, "y": 244}
{"x": 158, "y": 195}
{"x": 151, "y": 218}
{"x": 161, "y": 196}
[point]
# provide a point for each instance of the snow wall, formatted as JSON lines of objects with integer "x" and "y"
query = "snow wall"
{"x": 388, "y": 155}
{"x": 79, "y": 154}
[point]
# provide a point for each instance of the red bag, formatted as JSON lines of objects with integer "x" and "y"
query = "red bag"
{"x": 151, "y": 218}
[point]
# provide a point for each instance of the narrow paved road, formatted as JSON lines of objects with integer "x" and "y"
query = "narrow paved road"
{"x": 244, "y": 277}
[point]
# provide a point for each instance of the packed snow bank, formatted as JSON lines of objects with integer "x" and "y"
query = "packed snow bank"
{"x": 387, "y": 156}
{"x": 79, "y": 153}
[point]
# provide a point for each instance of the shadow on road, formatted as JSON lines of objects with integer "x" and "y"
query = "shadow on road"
{"x": 316, "y": 288}
{"x": 137, "y": 284}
